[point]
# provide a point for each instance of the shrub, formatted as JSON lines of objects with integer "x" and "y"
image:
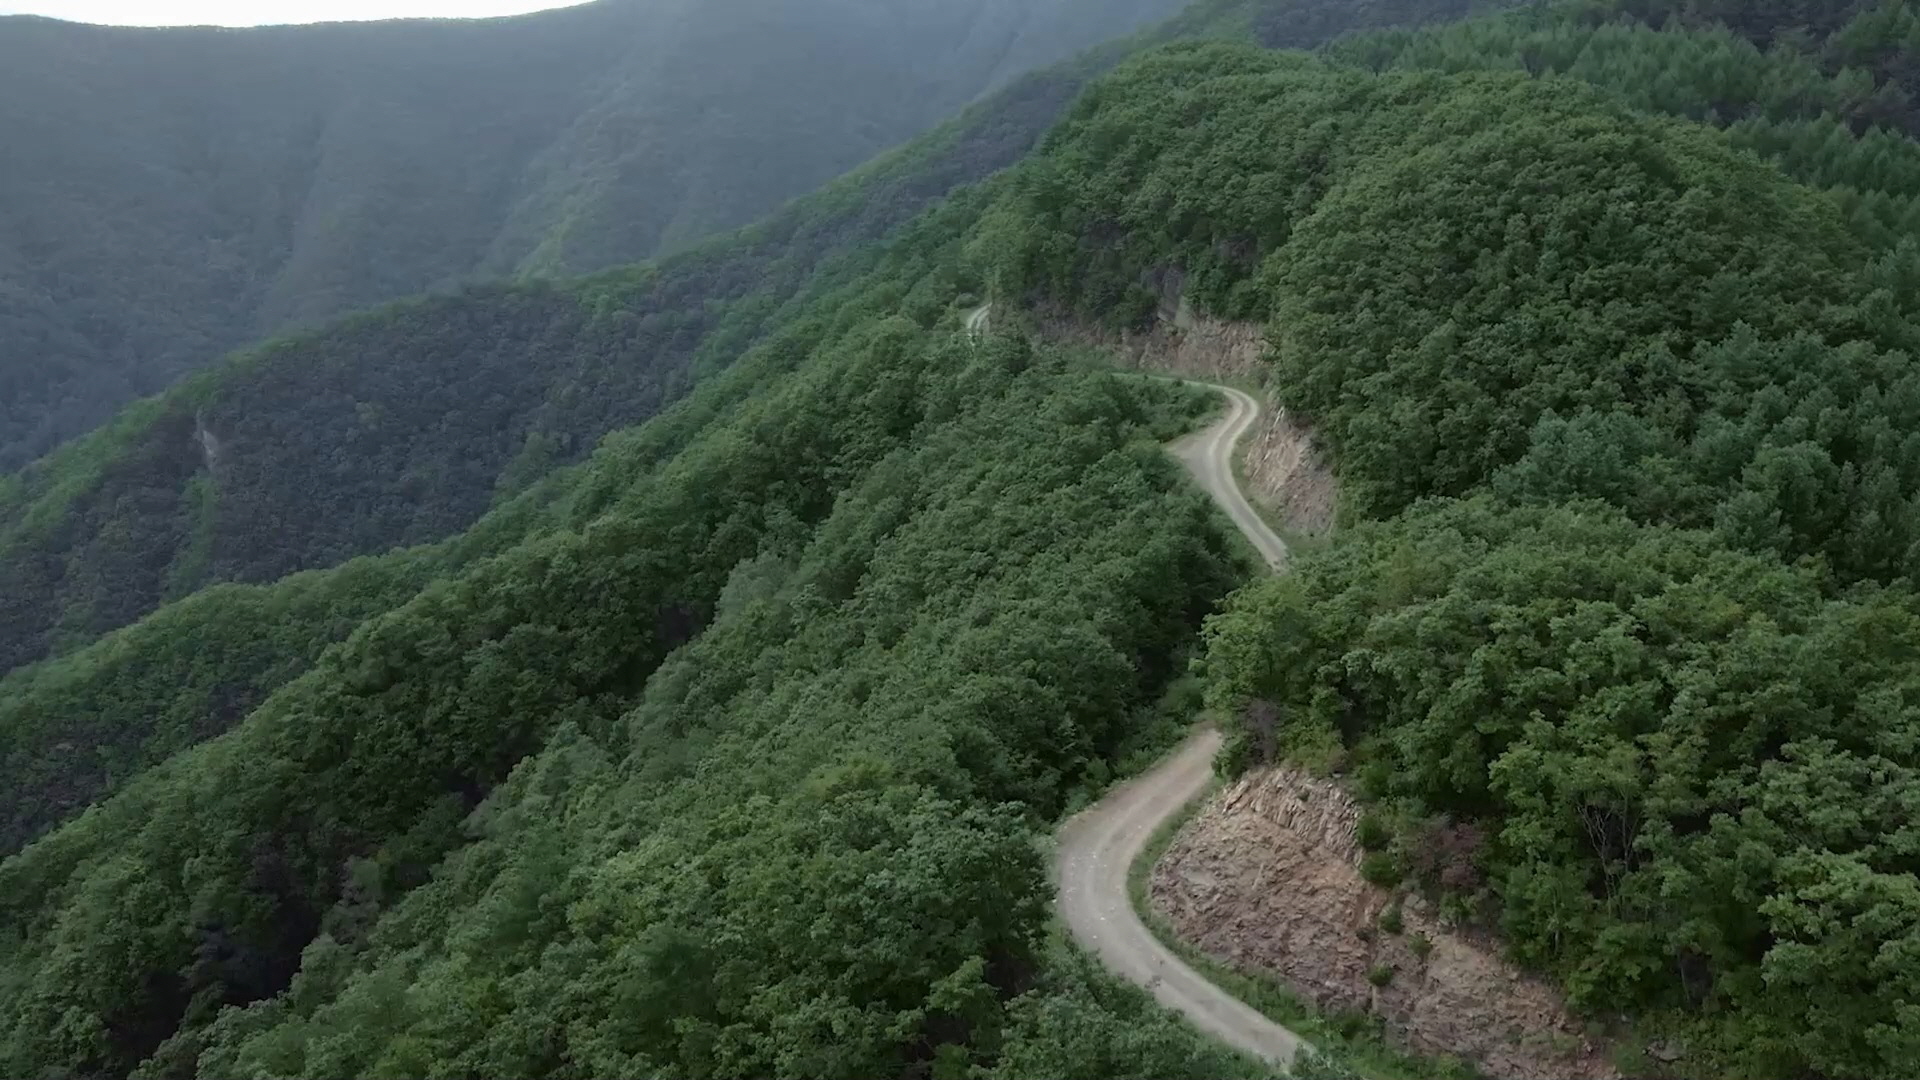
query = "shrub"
{"x": 1391, "y": 920}
{"x": 1382, "y": 868}
{"x": 1373, "y": 834}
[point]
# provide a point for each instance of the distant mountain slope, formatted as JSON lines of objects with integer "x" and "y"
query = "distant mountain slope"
{"x": 172, "y": 194}
{"x": 404, "y": 424}
{"x": 401, "y": 426}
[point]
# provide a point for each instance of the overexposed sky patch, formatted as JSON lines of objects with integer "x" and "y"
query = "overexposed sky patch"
{"x": 267, "y": 12}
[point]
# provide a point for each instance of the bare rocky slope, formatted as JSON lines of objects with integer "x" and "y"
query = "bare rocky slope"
{"x": 1267, "y": 878}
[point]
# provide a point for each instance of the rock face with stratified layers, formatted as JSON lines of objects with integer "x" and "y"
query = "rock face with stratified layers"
{"x": 1266, "y": 878}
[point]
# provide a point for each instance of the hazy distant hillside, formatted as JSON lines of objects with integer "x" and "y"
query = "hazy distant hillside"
{"x": 402, "y": 427}
{"x": 169, "y": 195}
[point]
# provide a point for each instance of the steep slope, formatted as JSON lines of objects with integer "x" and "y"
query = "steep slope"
{"x": 753, "y": 686}
{"x": 173, "y": 194}
{"x": 402, "y": 426}
{"x": 726, "y": 750}
{"x": 378, "y": 432}
{"x": 1623, "y": 668}
{"x": 75, "y": 730}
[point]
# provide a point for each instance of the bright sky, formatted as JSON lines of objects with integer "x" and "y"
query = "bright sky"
{"x": 261, "y": 12}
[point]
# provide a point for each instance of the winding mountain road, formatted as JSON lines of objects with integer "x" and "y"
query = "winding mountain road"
{"x": 976, "y": 320}
{"x": 1099, "y": 845}
{"x": 1208, "y": 454}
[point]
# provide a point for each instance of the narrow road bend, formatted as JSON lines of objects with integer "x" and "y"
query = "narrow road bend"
{"x": 1208, "y": 454}
{"x": 975, "y": 321}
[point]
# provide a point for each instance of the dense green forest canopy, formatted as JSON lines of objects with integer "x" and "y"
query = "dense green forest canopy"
{"x": 1622, "y": 644}
{"x": 401, "y": 427}
{"x": 1681, "y": 777}
{"x": 1495, "y": 277}
{"x": 772, "y": 696}
{"x": 815, "y": 678}
{"x": 72, "y": 731}
{"x": 173, "y": 194}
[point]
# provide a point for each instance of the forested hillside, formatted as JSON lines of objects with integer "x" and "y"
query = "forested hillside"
{"x": 816, "y": 678}
{"x": 402, "y": 426}
{"x": 173, "y": 194}
{"x": 72, "y": 731}
{"x": 1643, "y": 700}
{"x": 726, "y": 751}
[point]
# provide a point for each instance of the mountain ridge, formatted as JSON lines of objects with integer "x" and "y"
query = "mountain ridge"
{"x": 173, "y": 194}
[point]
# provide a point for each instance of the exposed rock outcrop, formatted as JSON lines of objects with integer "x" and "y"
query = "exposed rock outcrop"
{"x": 1267, "y": 878}
{"x": 209, "y": 442}
{"x": 1286, "y": 470}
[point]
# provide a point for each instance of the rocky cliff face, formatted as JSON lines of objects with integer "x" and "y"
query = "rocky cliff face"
{"x": 1286, "y": 471}
{"x": 1266, "y": 878}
